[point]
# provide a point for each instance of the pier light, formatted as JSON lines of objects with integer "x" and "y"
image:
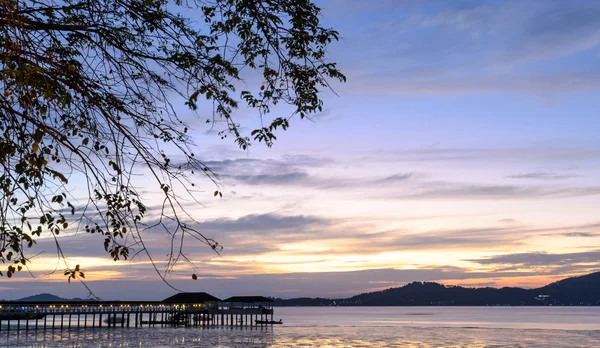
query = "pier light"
{"x": 100, "y": 306}
{"x": 36, "y": 306}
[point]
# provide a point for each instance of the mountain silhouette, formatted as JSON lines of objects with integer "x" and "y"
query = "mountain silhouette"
{"x": 575, "y": 291}
{"x": 45, "y": 297}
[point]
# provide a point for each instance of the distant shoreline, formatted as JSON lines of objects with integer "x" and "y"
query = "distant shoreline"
{"x": 582, "y": 291}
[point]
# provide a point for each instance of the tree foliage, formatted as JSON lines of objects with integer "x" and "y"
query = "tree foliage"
{"x": 87, "y": 90}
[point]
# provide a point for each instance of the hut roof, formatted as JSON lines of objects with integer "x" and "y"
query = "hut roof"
{"x": 248, "y": 299}
{"x": 191, "y": 297}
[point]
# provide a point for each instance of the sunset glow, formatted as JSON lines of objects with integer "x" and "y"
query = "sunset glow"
{"x": 464, "y": 149}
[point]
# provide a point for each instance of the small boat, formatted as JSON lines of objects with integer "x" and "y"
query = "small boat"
{"x": 269, "y": 321}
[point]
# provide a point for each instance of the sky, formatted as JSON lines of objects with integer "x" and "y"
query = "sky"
{"x": 463, "y": 149}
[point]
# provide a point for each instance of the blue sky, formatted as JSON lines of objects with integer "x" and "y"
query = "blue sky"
{"x": 464, "y": 148}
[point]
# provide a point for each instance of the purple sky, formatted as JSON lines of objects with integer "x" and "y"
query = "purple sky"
{"x": 464, "y": 149}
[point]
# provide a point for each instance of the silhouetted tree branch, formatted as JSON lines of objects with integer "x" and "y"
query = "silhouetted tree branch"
{"x": 87, "y": 90}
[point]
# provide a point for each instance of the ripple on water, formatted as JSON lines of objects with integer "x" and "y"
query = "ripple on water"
{"x": 295, "y": 337}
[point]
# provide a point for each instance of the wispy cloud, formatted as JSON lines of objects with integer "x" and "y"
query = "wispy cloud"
{"x": 260, "y": 223}
{"x": 460, "y": 18}
{"x": 580, "y": 234}
{"x": 542, "y": 259}
{"x": 536, "y": 83}
{"x": 552, "y": 29}
{"x": 271, "y": 179}
{"x": 455, "y": 50}
{"x": 542, "y": 176}
{"x": 451, "y": 190}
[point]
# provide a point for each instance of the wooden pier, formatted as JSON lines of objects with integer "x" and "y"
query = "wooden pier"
{"x": 183, "y": 309}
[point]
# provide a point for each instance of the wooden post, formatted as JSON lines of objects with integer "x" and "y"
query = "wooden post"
{"x": 69, "y": 320}
{"x": 18, "y": 325}
{"x": 100, "y": 321}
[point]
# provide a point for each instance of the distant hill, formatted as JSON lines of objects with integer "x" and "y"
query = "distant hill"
{"x": 575, "y": 291}
{"x": 47, "y": 298}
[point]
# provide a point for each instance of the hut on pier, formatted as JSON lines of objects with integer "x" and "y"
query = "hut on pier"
{"x": 199, "y": 300}
{"x": 264, "y": 305}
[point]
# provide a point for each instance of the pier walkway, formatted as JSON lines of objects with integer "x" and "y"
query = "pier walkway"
{"x": 184, "y": 309}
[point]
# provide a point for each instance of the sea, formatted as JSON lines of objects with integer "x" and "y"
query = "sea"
{"x": 355, "y": 327}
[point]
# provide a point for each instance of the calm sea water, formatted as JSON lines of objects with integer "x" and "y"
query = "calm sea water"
{"x": 358, "y": 327}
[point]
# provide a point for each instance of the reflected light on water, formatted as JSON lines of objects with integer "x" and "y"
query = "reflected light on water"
{"x": 367, "y": 327}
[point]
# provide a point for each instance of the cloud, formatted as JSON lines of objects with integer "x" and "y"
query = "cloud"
{"x": 460, "y": 18}
{"x": 457, "y": 48}
{"x": 285, "y": 163}
{"x": 396, "y": 178}
{"x": 271, "y": 179}
{"x": 294, "y": 171}
{"x": 453, "y": 190}
{"x": 260, "y": 223}
{"x": 551, "y": 30}
{"x": 538, "y": 83}
{"x": 541, "y": 259}
{"x": 297, "y": 172}
{"x": 580, "y": 234}
{"x": 542, "y": 176}
{"x": 489, "y": 237}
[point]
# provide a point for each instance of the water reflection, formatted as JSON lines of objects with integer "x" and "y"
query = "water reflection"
{"x": 353, "y": 327}
{"x": 142, "y": 337}
{"x": 368, "y": 337}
